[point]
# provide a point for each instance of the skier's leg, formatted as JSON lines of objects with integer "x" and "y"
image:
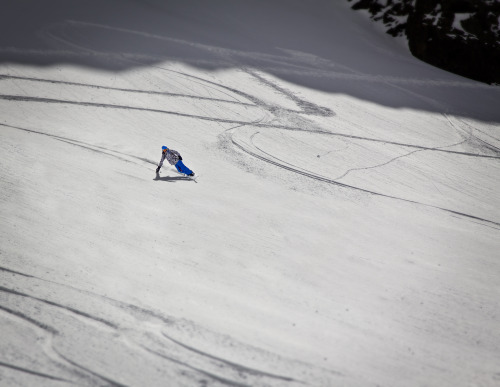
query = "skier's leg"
{"x": 182, "y": 168}
{"x": 178, "y": 167}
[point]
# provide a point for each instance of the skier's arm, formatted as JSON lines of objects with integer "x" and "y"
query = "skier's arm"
{"x": 161, "y": 163}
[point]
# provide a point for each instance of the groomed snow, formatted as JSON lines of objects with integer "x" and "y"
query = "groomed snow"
{"x": 344, "y": 230}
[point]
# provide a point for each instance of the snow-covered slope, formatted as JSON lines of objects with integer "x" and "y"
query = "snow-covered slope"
{"x": 344, "y": 230}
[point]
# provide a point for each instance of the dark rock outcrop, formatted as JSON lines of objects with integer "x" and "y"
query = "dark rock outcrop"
{"x": 461, "y": 36}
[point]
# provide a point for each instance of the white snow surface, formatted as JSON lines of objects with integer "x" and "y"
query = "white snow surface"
{"x": 344, "y": 231}
{"x": 457, "y": 22}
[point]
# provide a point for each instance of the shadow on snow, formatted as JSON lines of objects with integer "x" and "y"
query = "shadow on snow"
{"x": 321, "y": 45}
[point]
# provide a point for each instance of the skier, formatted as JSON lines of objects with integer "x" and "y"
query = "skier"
{"x": 174, "y": 158}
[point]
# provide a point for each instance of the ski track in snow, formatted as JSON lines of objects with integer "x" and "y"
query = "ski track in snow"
{"x": 124, "y": 331}
{"x": 306, "y": 108}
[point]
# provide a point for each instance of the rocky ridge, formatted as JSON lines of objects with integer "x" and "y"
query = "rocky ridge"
{"x": 461, "y": 36}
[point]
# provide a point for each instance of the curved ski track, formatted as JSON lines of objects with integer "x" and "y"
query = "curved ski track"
{"x": 148, "y": 342}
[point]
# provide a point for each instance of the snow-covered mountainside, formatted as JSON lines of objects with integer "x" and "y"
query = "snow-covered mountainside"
{"x": 462, "y": 36}
{"x": 344, "y": 229}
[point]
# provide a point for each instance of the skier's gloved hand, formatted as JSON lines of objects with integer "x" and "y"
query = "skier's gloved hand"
{"x": 180, "y": 157}
{"x": 157, "y": 169}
